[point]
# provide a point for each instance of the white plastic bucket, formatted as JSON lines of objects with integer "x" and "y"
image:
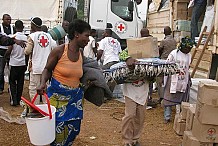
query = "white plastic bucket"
{"x": 42, "y": 130}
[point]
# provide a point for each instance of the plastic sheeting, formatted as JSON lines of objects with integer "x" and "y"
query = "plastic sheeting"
{"x": 194, "y": 88}
{"x": 8, "y": 118}
{"x": 156, "y": 5}
{"x": 208, "y": 18}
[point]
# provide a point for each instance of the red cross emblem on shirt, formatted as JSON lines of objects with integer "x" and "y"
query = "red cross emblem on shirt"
{"x": 113, "y": 42}
{"x": 121, "y": 27}
{"x": 211, "y": 131}
{"x": 43, "y": 41}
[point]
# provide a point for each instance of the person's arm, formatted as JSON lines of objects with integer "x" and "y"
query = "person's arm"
{"x": 29, "y": 47}
{"x": 94, "y": 48}
{"x": 161, "y": 48}
{"x": 52, "y": 61}
{"x": 99, "y": 54}
{"x": 8, "y": 52}
{"x": 6, "y": 41}
{"x": 100, "y": 50}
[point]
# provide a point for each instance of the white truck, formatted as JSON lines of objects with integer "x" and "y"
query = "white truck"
{"x": 119, "y": 15}
{"x": 52, "y": 12}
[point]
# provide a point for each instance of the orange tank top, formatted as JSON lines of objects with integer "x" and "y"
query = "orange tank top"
{"x": 68, "y": 72}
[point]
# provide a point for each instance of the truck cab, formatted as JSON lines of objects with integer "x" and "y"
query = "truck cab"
{"x": 119, "y": 15}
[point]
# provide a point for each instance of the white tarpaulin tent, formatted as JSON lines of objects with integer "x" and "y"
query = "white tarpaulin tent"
{"x": 25, "y": 9}
{"x": 49, "y": 11}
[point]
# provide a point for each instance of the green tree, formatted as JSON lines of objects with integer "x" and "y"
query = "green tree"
{"x": 80, "y": 9}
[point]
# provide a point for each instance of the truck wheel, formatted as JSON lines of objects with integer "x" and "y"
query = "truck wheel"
{"x": 70, "y": 14}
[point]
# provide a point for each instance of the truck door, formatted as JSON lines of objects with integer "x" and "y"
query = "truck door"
{"x": 124, "y": 22}
{"x": 98, "y": 13}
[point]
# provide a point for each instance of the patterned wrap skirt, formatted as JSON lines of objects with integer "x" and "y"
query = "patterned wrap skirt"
{"x": 69, "y": 111}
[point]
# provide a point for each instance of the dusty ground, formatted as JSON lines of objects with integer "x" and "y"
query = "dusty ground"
{"x": 101, "y": 126}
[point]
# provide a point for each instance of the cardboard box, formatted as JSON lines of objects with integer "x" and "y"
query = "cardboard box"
{"x": 205, "y": 133}
{"x": 145, "y": 47}
{"x": 190, "y": 140}
{"x": 190, "y": 118}
{"x": 177, "y": 119}
{"x": 206, "y": 114}
{"x": 184, "y": 107}
{"x": 179, "y": 125}
{"x": 208, "y": 93}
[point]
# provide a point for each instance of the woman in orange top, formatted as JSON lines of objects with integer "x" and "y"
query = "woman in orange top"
{"x": 64, "y": 67}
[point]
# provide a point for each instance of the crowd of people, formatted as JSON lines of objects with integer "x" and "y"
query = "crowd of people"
{"x": 56, "y": 68}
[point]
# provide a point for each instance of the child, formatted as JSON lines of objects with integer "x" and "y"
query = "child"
{"x": 17, "y": 66}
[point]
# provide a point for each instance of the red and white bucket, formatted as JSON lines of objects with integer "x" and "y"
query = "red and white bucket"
{"x": 41, "y": 130}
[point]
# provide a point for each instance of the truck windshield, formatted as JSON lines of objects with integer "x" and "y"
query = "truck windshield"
{"x": 120, "y": 8}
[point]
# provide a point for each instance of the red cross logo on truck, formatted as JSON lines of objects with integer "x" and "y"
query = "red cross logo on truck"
{"x": 120, "y": 27}
{"x": 43, "y": 40}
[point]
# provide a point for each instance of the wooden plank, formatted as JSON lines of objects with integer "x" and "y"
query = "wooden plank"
{"x": 204, "y": 48}
{"x": 185, "y": 1}
{"x": 159, "y": 36}
{"x": 205, "y": 33}
{"x": 199, "y": 42}
{"x": 201, "y": 69}
{"x": 203, "y": 64}
{"x": 162, "y": 20}
{"x": 180, "y": 11}
{"x": 180, "y": 15}
{"x": 159, "y": 14}
{"x": 206, "y": 57}
{"x": 154, "y": 30}
{"x": 180, "y": 6}
{"x": 189, "y": 13}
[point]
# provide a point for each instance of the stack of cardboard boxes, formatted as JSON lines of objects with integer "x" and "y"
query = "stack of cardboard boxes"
{"x": 202, "y": 129}
{"x": 181, "y": 118}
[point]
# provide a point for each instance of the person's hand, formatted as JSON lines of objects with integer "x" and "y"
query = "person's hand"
{"x": 41, "y": 89}
{"x": 130, "y": 62}
{"x": 20, "y": 42}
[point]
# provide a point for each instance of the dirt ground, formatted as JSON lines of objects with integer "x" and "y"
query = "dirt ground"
{"x": 101, "y": 126}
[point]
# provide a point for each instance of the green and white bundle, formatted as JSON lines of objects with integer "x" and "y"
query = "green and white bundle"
{"x": 145, "y": 68}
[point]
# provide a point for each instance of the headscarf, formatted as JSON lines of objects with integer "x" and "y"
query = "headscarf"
{"x": 186, "y": 42}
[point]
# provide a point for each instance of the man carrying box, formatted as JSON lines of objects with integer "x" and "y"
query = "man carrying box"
{"x": 135, "y": 100}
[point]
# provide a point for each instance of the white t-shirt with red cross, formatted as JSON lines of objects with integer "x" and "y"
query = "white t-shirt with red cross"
{"x": 111, "y": 49}
{"x": 43, "y": 44}
{"x": 137, "y": 91}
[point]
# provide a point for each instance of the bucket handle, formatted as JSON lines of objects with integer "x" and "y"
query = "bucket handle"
{"x": 48, "y": 102}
